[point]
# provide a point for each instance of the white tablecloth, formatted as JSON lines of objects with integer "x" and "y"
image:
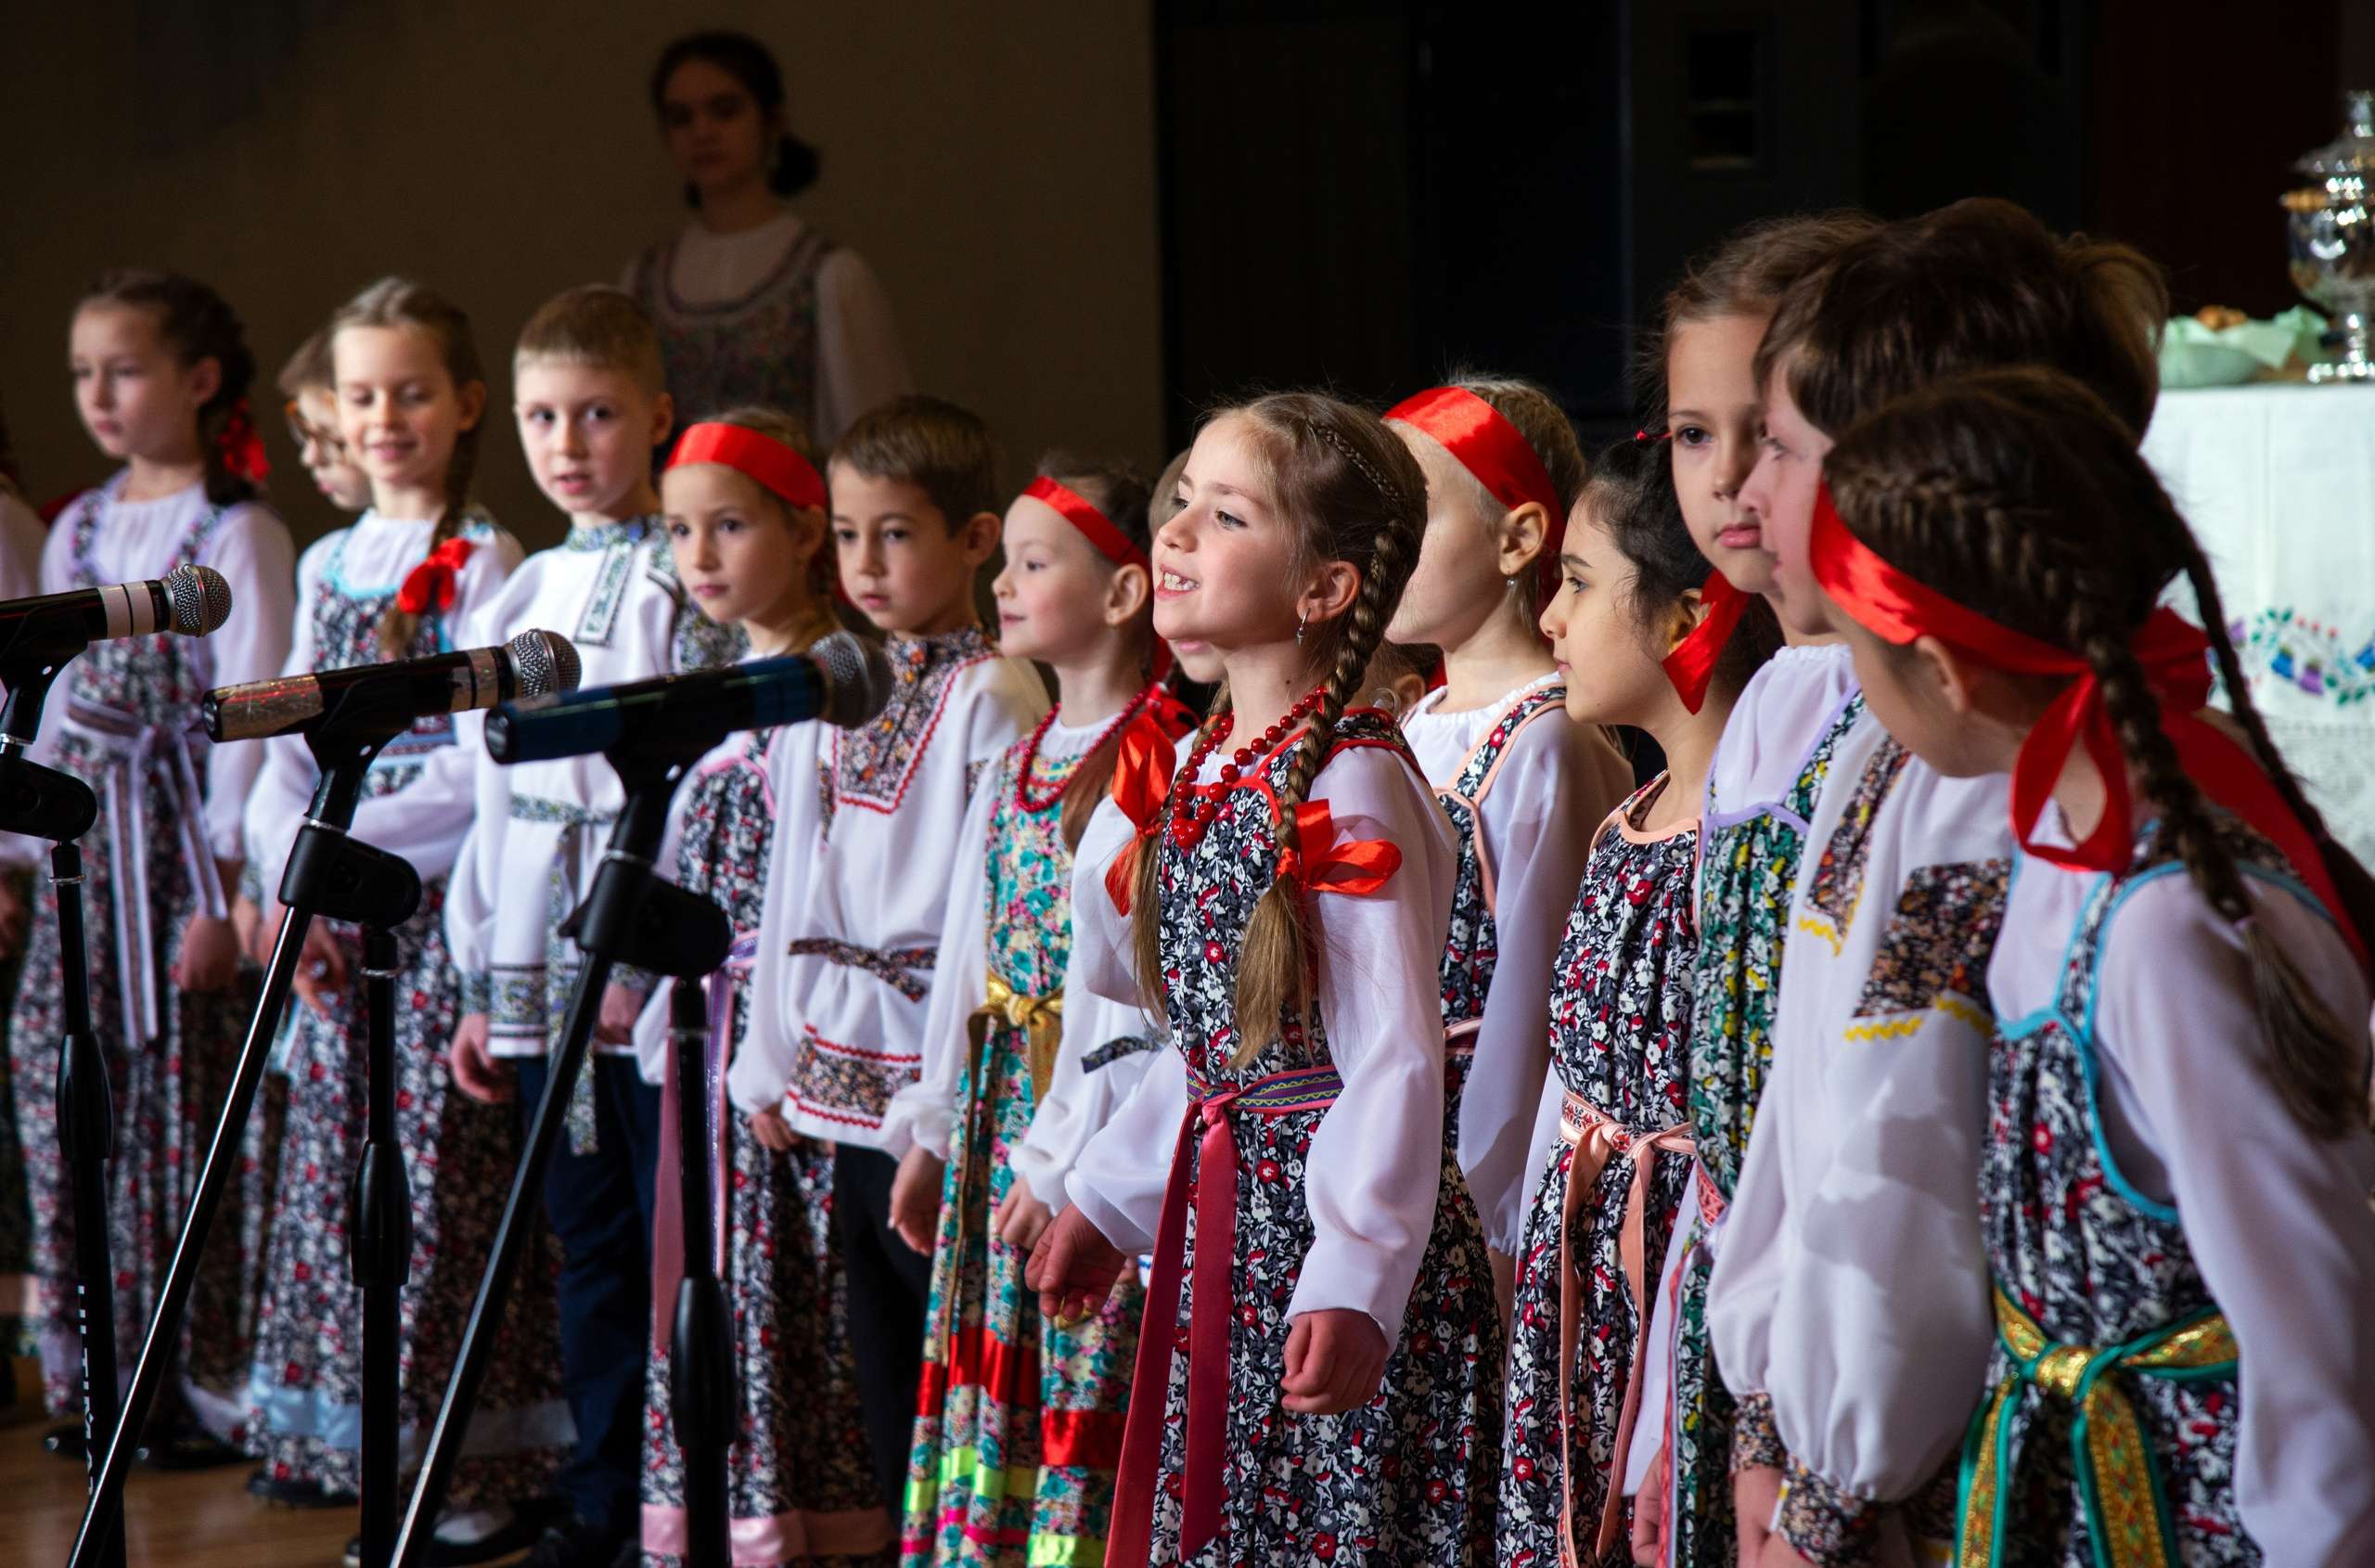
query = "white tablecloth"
{"x": 2278, "y": 481}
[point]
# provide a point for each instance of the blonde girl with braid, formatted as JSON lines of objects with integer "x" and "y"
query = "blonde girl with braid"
{"x": 161, "y": 371}
{"x": 2175, "y": 1160}
{"x": 1335, "y": 1392}
{"x": 402, "y": 581}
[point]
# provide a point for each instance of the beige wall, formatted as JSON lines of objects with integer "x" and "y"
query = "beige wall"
{"x": 994, "y": 162}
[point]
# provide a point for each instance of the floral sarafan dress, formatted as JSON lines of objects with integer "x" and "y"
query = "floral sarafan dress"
{"x": 1620, "y": 1025}
{"x": 1019, "y": 1423}
{"x": 799, "y": 1484}
{"x": 1306, "y": 1193}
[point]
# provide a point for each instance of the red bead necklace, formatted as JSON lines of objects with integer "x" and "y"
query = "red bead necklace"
{"x": 1024, "y": 800}
{"x": 1194, "y": 805}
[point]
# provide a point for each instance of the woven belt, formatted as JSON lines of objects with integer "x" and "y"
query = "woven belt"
{"x": 2126, "y": 1514}
{"x": 896, "y": 967}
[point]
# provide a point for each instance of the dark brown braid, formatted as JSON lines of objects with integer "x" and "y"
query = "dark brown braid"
{"x": 1355, "y": 494}
{"x": 397, "y": 302}
{"x": 2021, "y": 489}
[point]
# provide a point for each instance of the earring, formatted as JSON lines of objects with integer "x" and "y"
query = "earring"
{"x": 1509, "y": 583}
{"x": 1299, "y": 625}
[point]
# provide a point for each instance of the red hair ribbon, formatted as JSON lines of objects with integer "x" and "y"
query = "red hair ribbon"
{"x": 435, "y": 581}
{"x": 1894, "y": 606}
{"x": 1100, "y": 531}
{"x": 1497, "y": 453}
{"x": 240, "y": 448}
{"x": 759, "y": 457}
{"x": 1142, "y": 771}
{"x": 1355, "y": 868}
{"x": 1692, "y": 663}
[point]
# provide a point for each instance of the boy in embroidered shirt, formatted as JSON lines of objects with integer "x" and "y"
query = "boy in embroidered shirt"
{"x": 591, "y": 404}
{"x": 865, "y": 847}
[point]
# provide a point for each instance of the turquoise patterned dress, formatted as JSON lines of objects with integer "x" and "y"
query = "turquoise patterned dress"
{"x": 1019, "y": 1421}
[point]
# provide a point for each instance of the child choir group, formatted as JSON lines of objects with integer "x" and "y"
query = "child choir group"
{"x": 1352, "y": 1124}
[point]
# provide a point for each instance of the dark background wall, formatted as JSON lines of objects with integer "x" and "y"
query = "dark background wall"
{"x": 1097, "y": 217}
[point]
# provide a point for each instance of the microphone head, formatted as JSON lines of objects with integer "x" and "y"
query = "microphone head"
{"x": 543, "y": 663}
{"x": 201, "y": 599}
{"x": 857, "y": 678}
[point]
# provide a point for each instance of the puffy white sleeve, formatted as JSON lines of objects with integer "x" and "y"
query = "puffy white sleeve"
{"x": 922, "y": 1112}
{"x": 478, "y": 860}
{"x": 284, "y": 785}
{"x": 1879, "y": 1326}
{"x": 859, "y": 361}
{"x": 1076, "y": 1102}
{"x": 2277, "y": 1218}
{"x": 1537, "y": 824}
{"x": 425, "y": 821}
{"x": 253, "y": 553}
{"x": 1119, "y": 1179}
{"x": 762, "y": 1066}
{"x": 1371, "y": 1200}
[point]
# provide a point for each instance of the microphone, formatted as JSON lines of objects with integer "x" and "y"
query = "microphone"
{"x": 840, "y": 680}
{"x": 398, "y": 694}
{"x": 192, "y": 600}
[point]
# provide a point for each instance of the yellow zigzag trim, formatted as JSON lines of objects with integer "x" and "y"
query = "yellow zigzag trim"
{"x": 1823, "y": 928}
{"x": 1905, "y": 1028}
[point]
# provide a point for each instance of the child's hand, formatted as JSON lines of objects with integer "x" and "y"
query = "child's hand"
{"x": 245, "y": 921}
{"x": 1335, "y": 1360}
{"x": 321, "y": 969}
{"x": 210, "y": 955}
{"x": 622, "y": 1004}
{"x": 1074, "y": 1268}
{"x": 1650, "y": 1516}
{"x": 267, "y": 930}
{"x": 1021, "y": 1218}
{"x": 476, "y": 1072}
{"x": 1756, "y": 1492}
{"x": 13, "y": 917}
{"x": 772, "y": 1131}
{"x": 915, "y": 1198}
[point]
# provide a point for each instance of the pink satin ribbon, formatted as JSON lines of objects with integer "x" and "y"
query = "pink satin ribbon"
{"x": 1597, "y": 1138}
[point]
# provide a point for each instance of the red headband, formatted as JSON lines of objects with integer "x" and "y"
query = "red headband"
{"x": 1098, "y": 529}
{"x": 762, "y": 457}
{"x": 1893, "y": 606}
{"x": 1498, "y": 453}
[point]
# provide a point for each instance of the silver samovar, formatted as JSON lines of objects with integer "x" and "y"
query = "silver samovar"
{"x": 2331, "y": 237}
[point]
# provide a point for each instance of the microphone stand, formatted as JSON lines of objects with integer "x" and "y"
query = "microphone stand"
{"x": 337, "y": 877}
{"x": 379, "y": 1254}
{"x": 44, "y": 803}
{"x": 701, "y": 1391}
{"x": 631, "y": 915}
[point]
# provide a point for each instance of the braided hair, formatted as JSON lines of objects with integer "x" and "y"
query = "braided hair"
{"x": 196, "y": 323}
{"x": 399, "y": 302}
{"x": 2025, "y": 491}
{"x": 1355, "y": 494}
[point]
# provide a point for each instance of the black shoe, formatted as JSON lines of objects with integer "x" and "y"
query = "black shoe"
{"x": 289, "y": 1491}
{"x": 574, "y": 1543}
{"x": 521, "y": 1533}
{"x": 65, "y": 1442}
{"x": 187, "y": 1446}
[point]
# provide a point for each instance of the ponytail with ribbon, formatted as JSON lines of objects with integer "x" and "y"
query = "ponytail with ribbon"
{"x": 238, "y": 448}
{"x": 433, "y": 584}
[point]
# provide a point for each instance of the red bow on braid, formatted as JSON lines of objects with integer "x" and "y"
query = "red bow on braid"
{"x": 1498, "y": 453}
{"x": 435, "y": 581}
{"x": 1894, "y": 606}
{"x": 1355, "y": 868}
{"x": 1692, "y": 663}
{"x": 240, "y": 448}
{"x": 1142, "y": 783}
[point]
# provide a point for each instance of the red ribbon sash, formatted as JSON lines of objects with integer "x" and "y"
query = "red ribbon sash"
{"x": 1498, "y": 453}
{"x": 1692, "y": 663}
{"x": 1214, "y": 1196}
{"x": 435, "y": 582}
{"x": 1895, "y": 607}
{"x": 757, "y": 456}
